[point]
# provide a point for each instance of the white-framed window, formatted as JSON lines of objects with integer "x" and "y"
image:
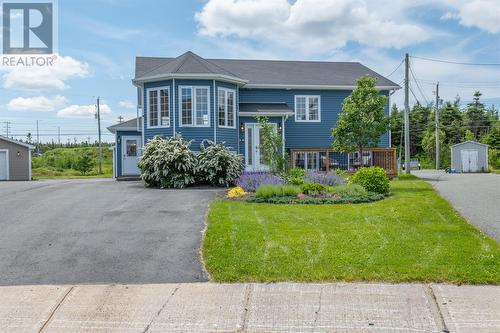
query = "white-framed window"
{"x": 194, "y": 106}
{"x": 308, "y": 108}
{"x": 226, "y": 101}
{"x": 158, "y": 101}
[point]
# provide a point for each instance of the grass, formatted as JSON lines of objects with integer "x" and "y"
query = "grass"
{"x": 414, "y": 235}
{"x": 59, "y": 163}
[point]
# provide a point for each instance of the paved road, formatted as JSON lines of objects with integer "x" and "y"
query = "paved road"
{"x": 237, "y": 307}
{"x": 99, "y": 231}
{"x": 475, "y": 195}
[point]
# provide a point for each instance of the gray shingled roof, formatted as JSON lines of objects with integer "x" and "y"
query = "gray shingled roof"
{"x": 261, "y": 72}
{"x": 126, "y": 125}
{"x": 16, "y": 142}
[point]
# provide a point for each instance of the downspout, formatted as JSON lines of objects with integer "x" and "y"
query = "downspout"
{"x": 143, "y": 92}
{"x": 283, "y": 120}
{"x": 173, "y": 104}
{"x": 215, "y": 117}
{"x": 238, "y": 118}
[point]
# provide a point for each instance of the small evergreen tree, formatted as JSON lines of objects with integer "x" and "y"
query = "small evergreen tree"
{"x": 84, "y": 164}
{"x": 362, "y": 120}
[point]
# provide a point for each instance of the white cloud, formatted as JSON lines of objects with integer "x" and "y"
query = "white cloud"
{"x": 39, "y": 103}
{"x": 44, "y": 77}
{"x": 82, "y": 111}
{"x": 312, "y": 26}
{"x": 127, "y": 104}
{"x": 482, "y": 14}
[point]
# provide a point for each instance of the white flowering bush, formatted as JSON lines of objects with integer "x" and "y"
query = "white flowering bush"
{"x": 217, "y": 165}
{"x": 168, "y": 163}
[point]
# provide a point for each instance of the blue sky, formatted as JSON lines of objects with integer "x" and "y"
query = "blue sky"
{"x": 98, "y": 41}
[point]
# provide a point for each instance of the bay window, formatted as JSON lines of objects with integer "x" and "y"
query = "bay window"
{"x": 194, "y": 106}
{"x": 307, "y": 108}
{"x": 226, "y": 107}
{"x": 159, "y": 107}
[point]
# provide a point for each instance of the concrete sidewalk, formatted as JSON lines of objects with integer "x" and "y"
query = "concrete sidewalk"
{"x": 280, "y": 307}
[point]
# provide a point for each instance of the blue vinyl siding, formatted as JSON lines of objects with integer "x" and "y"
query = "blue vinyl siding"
{"x": 307, "y": 134}
{"x": 118, "y": 145}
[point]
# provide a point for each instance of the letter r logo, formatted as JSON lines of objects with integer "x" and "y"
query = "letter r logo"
{"x": 27, "y": 28}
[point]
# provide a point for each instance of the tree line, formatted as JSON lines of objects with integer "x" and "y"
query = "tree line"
{"x": 474, "y": 122}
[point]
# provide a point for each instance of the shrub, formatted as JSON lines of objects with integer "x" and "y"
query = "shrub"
{"x": 168, "y": 163}
{"x": 313, "y": 188}
{"x": 296, "y": 176}
{"x": 84, "y": 164}
{"x": 325, "y": 178}
{"x": 373, "y": 179}
{"x": 317, "y": 201}
{"x": 269, "y": 191}
{"x": 236, "y": 192}
{"x": 217, "y": 165}
{"x": 250, "y": 181}
{"x": 347, "y": 190}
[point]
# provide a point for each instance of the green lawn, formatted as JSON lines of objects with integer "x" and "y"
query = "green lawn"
{"x": 414, "y": 235}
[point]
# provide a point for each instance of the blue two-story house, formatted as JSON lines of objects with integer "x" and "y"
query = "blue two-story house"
{"x": 220, "y": 100}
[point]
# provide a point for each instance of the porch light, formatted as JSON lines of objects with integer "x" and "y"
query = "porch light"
{"x": 242, "y": 127}
{"x": 279, "y": 126}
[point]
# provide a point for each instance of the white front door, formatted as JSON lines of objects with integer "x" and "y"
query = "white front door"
{"x": 4, "y": 166}
{"x": 469, "y": 160}
{"x": 130, "y": 155}
{"x": 253, "y": 157}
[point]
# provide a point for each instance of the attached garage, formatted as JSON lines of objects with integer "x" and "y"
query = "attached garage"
{"x": 15, "y": 159}
{"x": 469, "y": 156}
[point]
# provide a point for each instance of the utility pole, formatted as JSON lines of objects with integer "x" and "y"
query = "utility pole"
{"x": 98, "y": 115}
{"x": 436, "y": 114}
{"x": 59, "y": 135}
{"x": 7, "y": 125}
{"x": 37, "y": 139}
{"x": 120, "y": 119}
{"x": 407, "y": 115}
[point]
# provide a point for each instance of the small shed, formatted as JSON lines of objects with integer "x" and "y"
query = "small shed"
{"x": 15, "y": 159}
{"x": 469, "y": 156}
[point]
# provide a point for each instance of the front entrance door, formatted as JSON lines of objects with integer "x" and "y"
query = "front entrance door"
{"x": 469, "y": 160}
{"x": 130, "y": 155}
{"x": 253, "y": 158}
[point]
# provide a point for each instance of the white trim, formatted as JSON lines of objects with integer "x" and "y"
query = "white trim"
{"x": 307, "y": 97}
{"x": 312, "y": 86}
{"x": 215, "y": 118}
{"x": 193, "y": 105}
{"x": 173, "y": 105}
{"x": 7, "y": 163}
{"x": 226, "y": 91}
{"x": 221, "y": 77}
{"x": 29, "y": 165}
{"x": 17, "y": 142}
{"x": 143, "y": 117}
{"x": 158, "y": 109}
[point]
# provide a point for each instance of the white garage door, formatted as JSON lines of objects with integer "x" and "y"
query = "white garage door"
{"x": 469, "y": 160}
{"x": 3, "y": 165}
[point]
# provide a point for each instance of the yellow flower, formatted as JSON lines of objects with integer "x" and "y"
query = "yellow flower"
{"x": 236, "y": 192}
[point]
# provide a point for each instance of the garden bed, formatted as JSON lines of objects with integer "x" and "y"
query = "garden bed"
{"x": 369, "y": 197}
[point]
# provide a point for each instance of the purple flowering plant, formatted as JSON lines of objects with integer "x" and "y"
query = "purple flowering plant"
{"x": 325, "y": 178}
{"x": 250, "y": 181}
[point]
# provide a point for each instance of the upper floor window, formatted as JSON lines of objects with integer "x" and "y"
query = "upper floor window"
{"x": 159, "y": 107}
{"x": 307, "y": 108}
{"x": 194, "y": 106}
{"x": 227, "y": 107}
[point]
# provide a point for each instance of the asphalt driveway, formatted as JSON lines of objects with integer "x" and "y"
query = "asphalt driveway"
{"x": 100, "y": 231}
{"x": 474, "y": 195}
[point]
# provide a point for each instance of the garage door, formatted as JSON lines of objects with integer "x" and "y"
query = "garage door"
{"x": 3, "y": 165}
{"x": 469, "y": 160}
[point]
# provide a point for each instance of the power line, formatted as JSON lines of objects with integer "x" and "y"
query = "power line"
{"x": 418, "y": 85}
{"x": 456, "y": 62}
{"x": 395, "y": 69}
